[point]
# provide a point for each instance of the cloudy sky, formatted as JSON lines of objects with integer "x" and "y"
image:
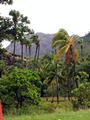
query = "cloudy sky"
{"x": 48, "y": 16}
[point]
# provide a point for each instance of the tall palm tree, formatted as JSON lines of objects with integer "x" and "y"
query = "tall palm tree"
{"x": 15, "y": 24}
{"x": 58, "y": 41}
{"x": 29, "y": 47}
{"x": 36, "y": 40}
{"x": 71, "y": 54}
{"x": 26, "y": 43}
{"x": 66, "y": 46}
{"x": 54, "y": 77}
{"x": 80, "y": 42}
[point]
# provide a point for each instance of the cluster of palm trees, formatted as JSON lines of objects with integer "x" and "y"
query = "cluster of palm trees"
{"x": 63, "y": 44}
{"x": 18, "y": 31}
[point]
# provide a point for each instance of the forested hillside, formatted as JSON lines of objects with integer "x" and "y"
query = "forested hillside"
{"x": 45, "y": 45}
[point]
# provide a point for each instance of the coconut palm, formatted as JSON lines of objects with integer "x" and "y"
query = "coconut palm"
{"x": 68, "y": 48}
{"x": 14, "y": 29}
{"x": 80, "y": 42}
{"x": 58, "y": 41}
{"x": 36, "y": 40}
{"x": 26, "y": 43}
{"x": 29, "y": 47}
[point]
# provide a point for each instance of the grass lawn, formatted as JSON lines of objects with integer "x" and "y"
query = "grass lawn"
{"x": 79, "y": 115}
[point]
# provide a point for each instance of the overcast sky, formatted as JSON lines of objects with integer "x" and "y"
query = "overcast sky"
{"x": 48, "y": 16}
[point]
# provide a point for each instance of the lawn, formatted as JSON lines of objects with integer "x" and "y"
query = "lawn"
{"x": 79, "y": 115}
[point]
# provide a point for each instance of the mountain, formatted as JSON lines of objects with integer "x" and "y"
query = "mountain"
{"x": 45, "y": 45}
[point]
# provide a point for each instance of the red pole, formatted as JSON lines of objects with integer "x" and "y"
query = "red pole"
{"x": 1, "y": 114}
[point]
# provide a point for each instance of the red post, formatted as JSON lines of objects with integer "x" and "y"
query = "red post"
{"x": 1, "y": 114}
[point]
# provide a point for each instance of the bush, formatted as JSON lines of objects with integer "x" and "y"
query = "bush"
{"x": 82, "y": 94}
{"x": 20, "y": 86}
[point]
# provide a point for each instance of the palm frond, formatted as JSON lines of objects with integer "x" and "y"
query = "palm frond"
{"x": 74, "y": 37}
{"x": 57, "y": 43}
{"x": 60, "y": 52}
{"x": 76, "y": 54}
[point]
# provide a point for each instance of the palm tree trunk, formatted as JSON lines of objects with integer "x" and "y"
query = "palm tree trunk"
{"x": 35, "y": 54}
{"x": 22, "y": 50}
{"x": 47, "y": 94}
{"x": 14, "y": 48}
{"x": 57, "y": 84}
{"x": 29, "y": 51}
{"x": 81, "y": 50}
{"x": 26, "y": 51}
{"x": 38, "y": 53}
{"x": 52, "y": 93}
{"x": 69, "y": 89}
{"x": 76, "y": 81}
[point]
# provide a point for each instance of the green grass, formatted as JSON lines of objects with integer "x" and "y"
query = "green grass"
{"x": 47, "y": 111}
{"x": 80, "y": 115}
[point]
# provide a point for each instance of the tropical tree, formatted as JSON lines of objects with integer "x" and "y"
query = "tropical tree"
{"x": 15, "y": 26}
{"x": 5, "y": 25}
{"x": 58, "y": 42}
{"x": 53, "y": 78}
{"x": 24, "y": 31}
{"x": 26, "y": 43}
{"x": 66, "y": 46}
{"x": 36, "y": 40}
{"x": 60, "y": 36}
{"x": 29, "y": 47}
{"x": 80, "y": 42}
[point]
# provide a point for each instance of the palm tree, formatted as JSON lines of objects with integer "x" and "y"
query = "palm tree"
{"x": 26, "y": 43}
{"x": 80, "y": 42}
{"x": 54, "y": 77}
{"x": 15, "y": 24}
{"x": 36, "y": 40}
{"x": 66, "y": 46}
{"x": 29, "y": 47}
{"x": 23, "y": 31}
{"x": 58, "y": 41}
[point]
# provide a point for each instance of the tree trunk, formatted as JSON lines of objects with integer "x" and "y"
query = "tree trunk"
{"x": 14, "y": 48}
{"x": 26, "y": 57}
{"x": 52, "y": 93}
{"x": 76, "y": 81}
{"x": 81, "y": 51}
{"x": 57, "y": 84}
{"x": 22, "y": 50}
{"x": 47, "y": 94}
{"x": 35, "y": 54}
{"x": 26, "y": 51}
{"x": 38, "y": 53}
{"x": 69, "y": 89}
{"x": 29, "y": 51}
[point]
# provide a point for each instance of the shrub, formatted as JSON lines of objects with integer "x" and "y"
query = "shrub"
{"x": 82, "y": 94}
{"x": 20, "y": 86}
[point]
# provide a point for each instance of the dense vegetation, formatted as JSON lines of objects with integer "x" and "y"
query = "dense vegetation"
{"x": 60, "y": 74}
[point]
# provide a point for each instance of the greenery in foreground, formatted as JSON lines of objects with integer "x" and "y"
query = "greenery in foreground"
{"x": 80, "y": 115}
{"x": 23, "y": 80}
{"x": 48, "y": 111}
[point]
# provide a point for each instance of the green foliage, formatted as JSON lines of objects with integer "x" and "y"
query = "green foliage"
{"x": 84, "y": 66}
{"x": 2, "y": 67}
{"x": 20, "y": 86}
{"x": 83, "y": 91}
{"x": 79, "y": 115}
